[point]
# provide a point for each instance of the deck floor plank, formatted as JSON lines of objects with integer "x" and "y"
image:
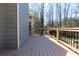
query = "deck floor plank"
{"x": 37, "y": 46}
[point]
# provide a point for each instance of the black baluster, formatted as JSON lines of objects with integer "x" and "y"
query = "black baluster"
{"x": 66, "y": 37}
{"x": 73, "y": 39}
{"x": 55, "y": 33}
{"x": 69, "y": 37}
{"x": 61, "y": 35}
{"x": 77, "y": 40}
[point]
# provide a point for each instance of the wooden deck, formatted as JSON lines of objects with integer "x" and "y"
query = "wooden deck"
{"x": 39, "y": 46}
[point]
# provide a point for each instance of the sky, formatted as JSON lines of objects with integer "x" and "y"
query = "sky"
{"x": 73, "y": 7}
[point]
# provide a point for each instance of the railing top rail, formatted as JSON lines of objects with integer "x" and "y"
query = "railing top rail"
{"x": 60, "y": 29}
{"x": 69, "y": 30}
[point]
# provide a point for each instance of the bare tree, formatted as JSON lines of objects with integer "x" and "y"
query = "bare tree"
{"x": 42, "y": 17}
{"x": 50, "y": 14}
{"x": 58, "y": 13}
{"x": 51, "y": 8}
{"x": 42, "y": 14}
{"x": 66, "y": 10}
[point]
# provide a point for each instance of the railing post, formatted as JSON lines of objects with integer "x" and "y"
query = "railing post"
{"x": 48, "y": 32}
{"x": 58, "y": 35}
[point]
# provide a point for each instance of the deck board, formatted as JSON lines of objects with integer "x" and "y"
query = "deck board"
{"x": 38, "y": 46}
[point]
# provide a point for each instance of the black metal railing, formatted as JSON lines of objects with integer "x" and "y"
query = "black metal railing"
{"x": 70, "y": 37}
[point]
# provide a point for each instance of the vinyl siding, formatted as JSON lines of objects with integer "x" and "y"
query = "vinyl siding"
{"x": 23, "y": 23}
{"x": 8, "y": 25}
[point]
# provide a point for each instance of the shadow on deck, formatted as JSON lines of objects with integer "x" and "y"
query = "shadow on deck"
{"x": 36, "y": 46}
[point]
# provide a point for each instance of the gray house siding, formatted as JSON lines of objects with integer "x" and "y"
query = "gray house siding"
{"x": 8, "y": 28}
{"x": 1, "y": 25}
{"x": 8, "y": 25}
{"x": 10, "y": 21}
{"x": 23, "y": 23}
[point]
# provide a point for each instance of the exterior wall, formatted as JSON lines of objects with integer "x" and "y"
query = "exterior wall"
{"x": 8, "y": 25}
{"x": 23, "y": 23}
{"x": 8, "y": 28}
{"x": 1, "y": 25}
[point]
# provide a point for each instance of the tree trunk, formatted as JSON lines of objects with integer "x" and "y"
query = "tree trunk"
{"x": 42, "y": 17}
